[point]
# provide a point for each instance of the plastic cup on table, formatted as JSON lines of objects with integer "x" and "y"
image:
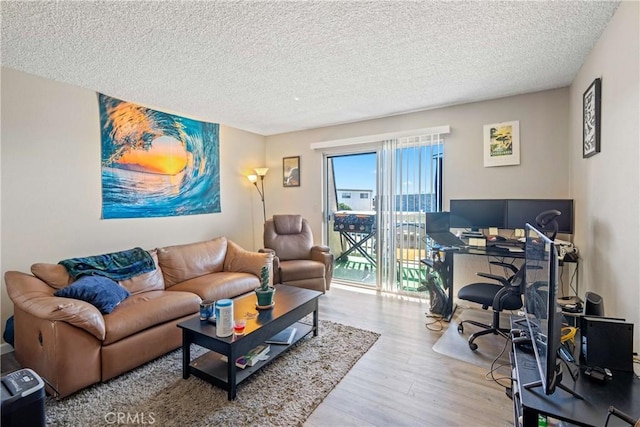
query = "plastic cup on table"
{"x": 239, "y": 325}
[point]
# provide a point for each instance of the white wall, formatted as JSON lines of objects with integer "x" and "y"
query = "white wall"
{"x": 51, "y": 190}
{"x": 542, "y": 173}
{"x": 544, "y": 139}
{"x": 606, "y": 187}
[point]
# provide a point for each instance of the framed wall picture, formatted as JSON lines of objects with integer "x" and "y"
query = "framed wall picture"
{"x": 591, "y": 119}
{"x": 502, "y": 144}
{"x": 291, "y": 171}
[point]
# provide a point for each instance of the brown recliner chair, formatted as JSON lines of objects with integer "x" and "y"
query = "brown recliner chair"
{"x": 298, "y": 262}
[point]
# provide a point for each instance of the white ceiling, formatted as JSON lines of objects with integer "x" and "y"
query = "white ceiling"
{"x": 277, "y": 66}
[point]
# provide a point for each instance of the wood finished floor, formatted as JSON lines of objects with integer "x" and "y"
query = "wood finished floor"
{"x": 401, "y": 381}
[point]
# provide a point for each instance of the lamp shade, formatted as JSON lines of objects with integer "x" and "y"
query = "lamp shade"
{"x": 252, "y": 178}
{"x": 261, "y": 171}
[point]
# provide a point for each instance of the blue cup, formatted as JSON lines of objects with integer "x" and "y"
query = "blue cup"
{"x": 206, "y": 309}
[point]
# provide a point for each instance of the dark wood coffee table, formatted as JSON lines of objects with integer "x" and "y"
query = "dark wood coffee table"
{"x": 291, "y": 305}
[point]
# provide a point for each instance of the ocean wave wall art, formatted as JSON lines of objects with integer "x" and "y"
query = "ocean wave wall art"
{"x": 156, "y": 164}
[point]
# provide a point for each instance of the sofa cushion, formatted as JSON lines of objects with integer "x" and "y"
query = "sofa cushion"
{"x": 151, "y": 281}
{"x": 219, "y": 285}
{"x": 183, "y": 262}
{"x": 148, "y": 309}
{"x": 54, "y": 275}
{"x": 242, "y": 261}
{"x": 99, "y": 291}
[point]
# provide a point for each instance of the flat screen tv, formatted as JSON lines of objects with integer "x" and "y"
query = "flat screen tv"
{"x": 542, "y": 312}
{"x": 522, "y": 211}
{"x": 477, "y": 213}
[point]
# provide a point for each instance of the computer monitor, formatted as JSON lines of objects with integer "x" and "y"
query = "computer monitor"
{"x": 436, "y": 222}
{"x": 543, "y": 314}
{"x": 523, "y": 211}
{"x": 477, "y": 213}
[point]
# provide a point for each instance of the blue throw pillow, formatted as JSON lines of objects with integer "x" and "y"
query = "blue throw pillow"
{"x": 100, "y": 291}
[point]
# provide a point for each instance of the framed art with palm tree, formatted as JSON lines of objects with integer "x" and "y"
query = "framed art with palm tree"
{"x": 502, "y": 144}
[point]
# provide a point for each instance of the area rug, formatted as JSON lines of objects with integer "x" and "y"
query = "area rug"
{"x": 455, "y": 344}
{"x": 284, "y": 393}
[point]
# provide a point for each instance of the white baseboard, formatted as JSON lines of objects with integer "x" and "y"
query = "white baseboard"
{"x": 5, "y": 348}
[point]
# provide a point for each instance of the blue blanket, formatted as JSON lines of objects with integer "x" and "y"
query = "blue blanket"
{"x": 116, "y": 266}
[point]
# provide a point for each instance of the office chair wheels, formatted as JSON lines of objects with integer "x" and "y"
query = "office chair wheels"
{"x": 473, "y": 346}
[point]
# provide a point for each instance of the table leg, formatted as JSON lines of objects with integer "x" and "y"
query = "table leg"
{"x": 356, "y": 245}
{"x": 315, "y": 320}
{"x": 186, "y": 354}
{"x": 448, "y": 282}
{"x": 231, "y": 375}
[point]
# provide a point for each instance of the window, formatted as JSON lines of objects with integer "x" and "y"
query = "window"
{"x": 364, "y": 195}
{"x": 346, "y": 195}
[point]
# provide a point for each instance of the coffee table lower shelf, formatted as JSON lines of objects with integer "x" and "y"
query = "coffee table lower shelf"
{"x": 211, "y": 368}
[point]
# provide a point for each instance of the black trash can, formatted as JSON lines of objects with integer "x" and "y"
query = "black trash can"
{"x": 23, "y": 399}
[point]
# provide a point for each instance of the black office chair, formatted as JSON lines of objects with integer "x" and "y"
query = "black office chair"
{"x": 504, "y": 295}
{"x": 507, "y": 293}
{"x": 547, "y": 222}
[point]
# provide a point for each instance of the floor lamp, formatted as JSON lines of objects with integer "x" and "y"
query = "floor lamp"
{"x": 260, "y": 172}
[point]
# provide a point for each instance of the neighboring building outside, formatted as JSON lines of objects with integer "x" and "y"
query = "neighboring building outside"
{"x": 363, "y": 200}
{"x": 357, "y": 200}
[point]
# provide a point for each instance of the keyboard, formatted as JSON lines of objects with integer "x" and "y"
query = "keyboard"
{"x": 467, "y": 234}
{"x": 446, "y": 239}
{"x": 507, "y": 242}
{"x": 509, "y": 248}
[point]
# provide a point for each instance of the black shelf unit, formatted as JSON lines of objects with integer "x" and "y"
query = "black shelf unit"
{"x": 210, "y": 367}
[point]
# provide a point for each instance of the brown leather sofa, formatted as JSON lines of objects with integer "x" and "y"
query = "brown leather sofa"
{"x": 72, "y": 345}
{"x": 298, "y": 261}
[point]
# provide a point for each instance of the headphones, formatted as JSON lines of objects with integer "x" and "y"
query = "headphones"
{"x": 549, "y": 218}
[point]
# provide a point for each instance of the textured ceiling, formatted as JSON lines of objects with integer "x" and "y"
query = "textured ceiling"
{"x": 278, "y": 66}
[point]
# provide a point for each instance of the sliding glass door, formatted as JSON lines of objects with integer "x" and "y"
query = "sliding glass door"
{"x": 376, "y": 202}
{"x": 351, "y": 193}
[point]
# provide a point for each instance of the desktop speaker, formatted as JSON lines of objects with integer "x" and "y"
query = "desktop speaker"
{"x": 606, "y": 343}
{"x": 593, "y": 304}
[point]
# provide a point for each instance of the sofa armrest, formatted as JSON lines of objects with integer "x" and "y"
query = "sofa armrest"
{"x": 323, "y": 254}
{"x": 240, "y": 260}
{"x": 35, "y": 297}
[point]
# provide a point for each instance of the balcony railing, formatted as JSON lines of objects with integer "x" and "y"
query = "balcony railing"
{"x": 359, "y": 266}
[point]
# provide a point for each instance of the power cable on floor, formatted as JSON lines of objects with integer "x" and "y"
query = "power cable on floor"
{"x": 489, "y": 376}
{"x": 435, "y": 320}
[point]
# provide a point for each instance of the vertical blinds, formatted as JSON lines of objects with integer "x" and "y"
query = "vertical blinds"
{"x": 410, "y": 184}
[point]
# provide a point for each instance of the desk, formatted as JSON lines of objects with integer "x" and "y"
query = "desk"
{"x": 622, "y": 392}
{"x": 442, "y": 264}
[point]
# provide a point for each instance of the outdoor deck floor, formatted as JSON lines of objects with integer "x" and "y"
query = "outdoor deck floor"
{"x": 411, "y": 273}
